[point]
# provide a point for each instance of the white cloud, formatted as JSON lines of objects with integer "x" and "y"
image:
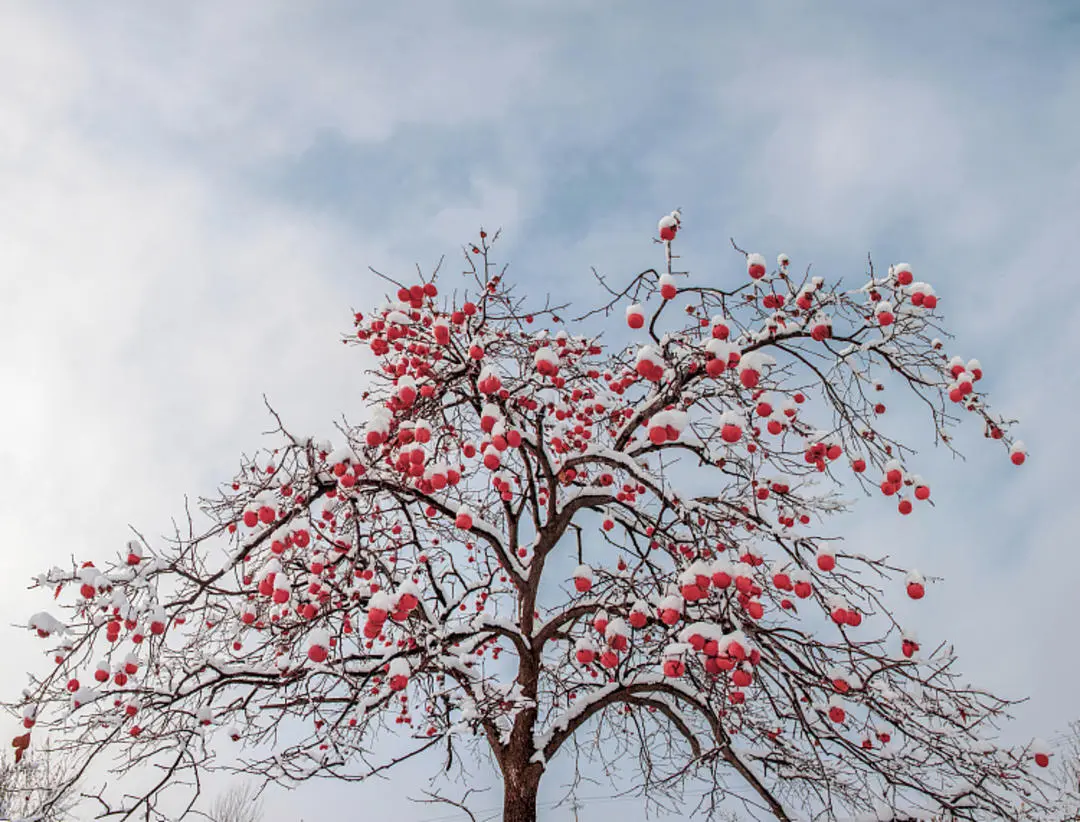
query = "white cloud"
{"x": 150, "y": 293}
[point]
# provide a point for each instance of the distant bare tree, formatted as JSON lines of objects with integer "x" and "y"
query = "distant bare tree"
{"x": 36, "y": 787}
{"x": 238, "y": 804}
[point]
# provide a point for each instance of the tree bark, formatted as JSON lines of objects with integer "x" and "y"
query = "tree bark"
{"x": 520, "y": 787}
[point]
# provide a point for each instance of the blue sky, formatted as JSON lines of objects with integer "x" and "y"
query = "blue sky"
{"x": 193, "y": 193}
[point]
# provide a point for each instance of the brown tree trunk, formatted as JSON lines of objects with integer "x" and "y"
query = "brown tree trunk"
{"x": 520, "y": 787}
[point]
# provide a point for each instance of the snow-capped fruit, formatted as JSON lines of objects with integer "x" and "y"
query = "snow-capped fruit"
{"x": 547, "y": 362}
{"x": 1041, "y": 752}
{"x": 464, "y": 520}
{"x": 670, "y": 610}
{"x": 583, "y": 578}
{"x": 635, "y": 316}
{"x": 837, "y": 714}
{"x": 884, "y": 313}
{"x": 674, "y": 668}
{"x": 721, "y": 575}
{"x": 1017, "y": 453}
{"x": 134, "y": 553}
{"x": 826, "y": 559}
{"x": 398, "y": 674}
{"x": 741, "y": 678}
{"x": 616, "y": 635}
{"x": 282, "y": 590}
{"x": 667, "y": 227}
{"x": 668, "y": 287}
{"x": 820, "y": 330}
{"x": 902, "y": 272}
{"x": 318, "y": 646}
{"x": 915, "y": 585}
{"x": 755, "y": 266}
{"x": 585, "y": 652}
{"x": 441, "y": 329}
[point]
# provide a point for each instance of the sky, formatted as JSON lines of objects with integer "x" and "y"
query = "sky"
{"x": 192, "y": 195}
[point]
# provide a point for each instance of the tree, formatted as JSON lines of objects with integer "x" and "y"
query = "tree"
{"x": 37, "y": 787}
{"x": 238, "y": 804}
{"x": 533, "y": 534}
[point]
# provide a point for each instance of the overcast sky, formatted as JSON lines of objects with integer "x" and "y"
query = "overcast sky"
{"x": 191, "y": 193}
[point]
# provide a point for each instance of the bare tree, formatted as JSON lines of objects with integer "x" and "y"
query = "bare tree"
{"x": 537, "y": 545}
{"x": 239, "y": 803}
{"x": 38, "y": 787}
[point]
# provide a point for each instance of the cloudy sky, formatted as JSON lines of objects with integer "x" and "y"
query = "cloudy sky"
{"x": 190, "y": 195}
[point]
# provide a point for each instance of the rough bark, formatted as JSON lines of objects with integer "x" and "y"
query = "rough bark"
{"x": 520, "y": 784}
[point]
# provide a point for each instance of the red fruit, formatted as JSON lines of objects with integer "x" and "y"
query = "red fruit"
{"x": 731, "y": 433}
{"x": 464, "y": 521}
{"x": 585, "y": 656}
{"x": 1018, "y": 457}
{"x": 826, "y": 562}
{"x": 749, "y": 377}
{"x": 1042, "y": 760}
{"x": 915, "y": 590}
{"x": 904, "y": 507}
{"x": 908, "y": 648}
{"x": 721, "y": 579}
{"x": 582, "y": 584}
{"x": 922, "y": 492}
{"x": 667, "y": 232}
{"x": 674, "y": 668}
{"x": 251, "y": 519}
{"x": 317, "y": 653}
{"x": 802, "y": 590}
{"x": 836, "y": 714}
{"x": 741, "y": 678}
{"x": 638, "y": 619}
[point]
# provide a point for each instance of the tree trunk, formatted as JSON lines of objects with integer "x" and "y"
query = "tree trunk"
{"x": 519, "y": 793}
